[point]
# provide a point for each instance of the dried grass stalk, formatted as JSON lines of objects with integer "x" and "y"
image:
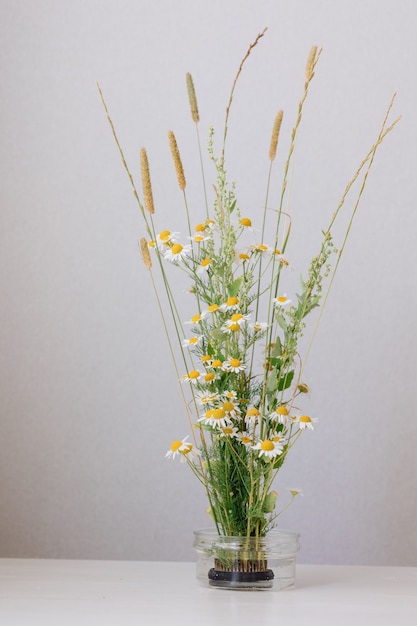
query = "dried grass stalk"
{"x": 177, "y": 160}
{"x": 144, "y": 250}
{"x": 146, "y": 182}
{"x": 192, "y": 98}
{"x": 275, "y": 135}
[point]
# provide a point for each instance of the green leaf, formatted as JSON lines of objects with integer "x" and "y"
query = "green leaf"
{"x": 233, "y": 289}
{"x": 285, "y": 381}
{"x": 273, "y": 382}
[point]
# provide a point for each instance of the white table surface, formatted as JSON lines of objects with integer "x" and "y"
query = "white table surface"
{"x": 124, "y": 593}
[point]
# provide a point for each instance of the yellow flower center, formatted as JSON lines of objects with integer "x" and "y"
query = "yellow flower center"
{"x": 253, "y": 412}
{"x": 234, "y": 327}
{"x": 176, "y": 248}
{"x": 187, "y": 449}
{"x": 205, "y": 358}
{"x": 228, "y": 431}
{"x": 164, "y": 235}
{"x": 282, "y": 298}
{"x": 194, "y": 374}
{"x": 196, "y": 318}
{"x": 218, "y": 414}
{"x": 245, "y": 221}
{"x": 244, "y": 257}
{"x": 209, "y": 413}
{"x": 176, "y": 445}
{"x": 267, "y": 445}
{"x": 305, "y": 419}
{"x": 205, "y": 262}
{"x": 234, "y": 363}
{"x": 236, "y": 317}
{"x": 193, "y": 340}
{"x": 277, "y": 438}
{"x": 228, "y": 406}
{"x": 261, "y": 246}
{"x": 232, "y": 301}
{"x": 212, "y": 308}
{"x": 152, "y": 243}
{"x": 245, "y": 439}
{"x": 216, "y": 363}
{"x": 276, "y": 251}
{"x": 281, "y": 410}
{"x": 209, "y": 377}
{"x": 200, "y": 228}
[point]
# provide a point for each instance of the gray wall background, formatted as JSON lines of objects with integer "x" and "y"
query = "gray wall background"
{"x": 89, "y": 401}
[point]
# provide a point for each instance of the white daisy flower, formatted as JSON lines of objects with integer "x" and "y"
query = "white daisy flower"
{"x": 245, "y": 439}
{"x": 213, "y": 308}
{"x": 177, "y": 447}
{"x": 229, "y": 395}
{"x": 304, "y": 421}
{"x": 189, "y": 454}
{"x": 176, "y": 253}
{"x": 216, "y": 418}
{"x": 192, "y": 341}
{"x": 204, "y": 266}
{"x": 196, "y": 319}
{"x": 235, "y": 323}
{"x": 281, "y": 301}
{"x": 246, "y": 224}
{"x": 165, "y": 238}
{"x": 207, "y": 398}
{"x": 233, "y": 365}
{"x": 280, "y": 415}
{"x": 259, "y": 327}
{"x": 192, "y": 377}
{"x": 229, "y": 431}
{"x": 268, "y": 448}
{"x": 231, "y": 408}
{"x": 260, "y": 247}
{"x": 294, "y": 491}
{"x": 253, "y": 415}
{"x": 231, "y": 304}
{"x": 199, "y": 238}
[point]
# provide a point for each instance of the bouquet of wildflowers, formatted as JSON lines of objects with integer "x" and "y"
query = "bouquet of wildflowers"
{"x": 239, "y": 368}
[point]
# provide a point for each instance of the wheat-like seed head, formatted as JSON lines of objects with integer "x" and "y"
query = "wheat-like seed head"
{"x": 146, "y": 182}
{"x": 192, "y": 98}
{"x": 275, "y": 135}
{"x": 310, "y": 63}
{"x": 177, "y": 160}
{"x": 144, "y": 250}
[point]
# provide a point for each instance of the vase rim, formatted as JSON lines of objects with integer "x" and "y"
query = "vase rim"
{"x": 274, "y": 532}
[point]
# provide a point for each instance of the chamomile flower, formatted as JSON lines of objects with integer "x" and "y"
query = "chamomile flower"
{"x": 199, "y": 238}
{"x": 268, "y": 448}
{"x": 259, "y": 327}
{"x": 304, "y": 421}
{"x": 165, "y": 238}
{"x": 231, "y": 304}
{"x": 245, "y": 439}
{"x": 229, "y": 395}
{"x": 212, "y": 308}
{"x": 231, "y": 408}
{"x": 253, "y": 415}
{"x": 177, "y": 447}
{"x": 204, "y": 266}
{"x": 229, "y": 431}
{"x": 233, "y": 365}
{"x": 281, "y": 301}
{"x": 242, "y": 257}
{"x": 209, "y": 377}
{"x": 197, "y": 318}
{"x": 216, "y": 418}
{"x": 206, "y": 359}
{"x": 207, "y": 398}
{"x": 260, "y": 247}
{"x": 246, "y": 224}
{"x": 176, "y": 253}
{"x": 192, "y": 377}
{"x": 189, "y": 454}
{"x": 192, "y": 341}
{"x": 280, "y": 415}
{"x": 235, "y": 323}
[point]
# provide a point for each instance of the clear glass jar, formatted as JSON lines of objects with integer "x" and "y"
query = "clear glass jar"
{"x": 246, "y": 563}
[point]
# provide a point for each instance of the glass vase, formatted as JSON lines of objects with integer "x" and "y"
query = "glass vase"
{"x": 246, "y": 563}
